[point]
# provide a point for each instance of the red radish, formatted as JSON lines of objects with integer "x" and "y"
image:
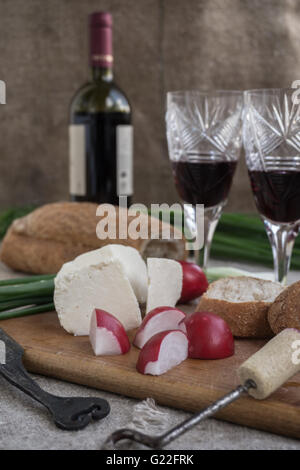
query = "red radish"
{"x": 159, "y": 319}
{"x": 163, "y": 351}
{"x": 209, "y": 336}
{"x": 194, "y": 282}
{"x": 107, "y": 334}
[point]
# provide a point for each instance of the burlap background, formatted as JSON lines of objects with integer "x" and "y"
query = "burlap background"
{"x": 159, "y": 45}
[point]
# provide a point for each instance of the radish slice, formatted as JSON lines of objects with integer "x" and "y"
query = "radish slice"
{"x": 107, "y": 334}
{"x": 162, "y": 352}
{"x": 159, "y": 319}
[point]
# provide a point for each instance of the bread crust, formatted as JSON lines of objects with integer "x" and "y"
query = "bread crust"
{"x": 66, "y": 222}
{"x": 37, "y": 256}
{"x": 54, "y": 234}
{"x": 245, "y": 319}
{"x": 285, "y": 310}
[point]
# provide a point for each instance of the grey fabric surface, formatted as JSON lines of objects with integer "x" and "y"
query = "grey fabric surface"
{"x": 24, "y": 424}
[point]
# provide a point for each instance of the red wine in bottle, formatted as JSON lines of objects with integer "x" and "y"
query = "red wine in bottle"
{"x": 100, "y": 131}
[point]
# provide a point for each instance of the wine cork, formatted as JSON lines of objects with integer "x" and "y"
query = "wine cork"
{"x": 272, "y": 365}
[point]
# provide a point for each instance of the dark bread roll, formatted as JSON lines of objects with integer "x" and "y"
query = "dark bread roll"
{"x": 285, "y": 310}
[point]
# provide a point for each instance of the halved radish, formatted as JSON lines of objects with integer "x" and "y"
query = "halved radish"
{"x": 159, "y": 319}
{"x": 163, "y": 351}
{"x": 194, "y": 281}
{"x": 209, "y": 336}
{"x": 107, "y": 334}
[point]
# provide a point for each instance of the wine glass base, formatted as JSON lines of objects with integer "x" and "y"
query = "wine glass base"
{"x": 282, "y": 237}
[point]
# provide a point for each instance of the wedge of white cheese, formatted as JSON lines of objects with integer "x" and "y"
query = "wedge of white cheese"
{"x": 164, "y": 283}
{"x": 133, "y": 264}
{"x": 100, "y": 279}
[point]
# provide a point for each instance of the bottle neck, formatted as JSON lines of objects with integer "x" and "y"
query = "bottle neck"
{"x": 102, "y": 74}
{"x": 101, "y": 49}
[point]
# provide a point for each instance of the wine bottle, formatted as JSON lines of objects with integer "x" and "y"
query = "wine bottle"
{"x": 100, "y": 131}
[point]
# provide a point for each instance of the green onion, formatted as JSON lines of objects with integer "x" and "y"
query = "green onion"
{"x": 26, "y": 280}
{"x": 27, "y": 311}
{"x": 242, "y": 222}
{"x": 9, "y": 215}
{"x": 231, "y": 253}
{"x": 33, "y": 289}
{"x": 10, "y": 304}
{"x": 213, "y": 274}
{"x": 242, "y": 237}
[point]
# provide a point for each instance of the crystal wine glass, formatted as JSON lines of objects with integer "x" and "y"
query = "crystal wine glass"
{"x": 271, "y": 134}
{"x": 204, "y": 142}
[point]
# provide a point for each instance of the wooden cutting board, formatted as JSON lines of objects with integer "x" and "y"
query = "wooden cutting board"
{"x": 50, "y": 351}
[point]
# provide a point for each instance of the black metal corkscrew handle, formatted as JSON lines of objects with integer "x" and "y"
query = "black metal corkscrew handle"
{"x": 68, "y": 413}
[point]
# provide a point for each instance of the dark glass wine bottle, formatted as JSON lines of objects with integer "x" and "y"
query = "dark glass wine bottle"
{"x": 100, "y": 131}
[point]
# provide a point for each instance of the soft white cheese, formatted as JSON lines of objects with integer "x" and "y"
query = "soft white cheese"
{"x": 80, "y": 287}
{"x": 165, "y": 283}
{"x": 132, "y": 263}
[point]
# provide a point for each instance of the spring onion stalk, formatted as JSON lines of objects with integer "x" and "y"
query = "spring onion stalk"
{"x": 237, "y": 242}
{"x": 27, "y": 311}
{"x": 242, "y": 222}
{"x": 10, "y": 304}
{"x": 241, "y": 237}
{"x": 26, "y": 280}
{"x": 213, "y": 274}
{"x": 9, "y": 215}
{"x": 233, "y": 245}
{"x": 230, "y": 254}
{"x": 43, "y": 288}
{"x": 249, "y": 244}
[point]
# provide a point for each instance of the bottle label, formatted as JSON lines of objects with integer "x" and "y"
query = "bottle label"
{"x": 77, "y": 159}
{"x": 124, "y": 134}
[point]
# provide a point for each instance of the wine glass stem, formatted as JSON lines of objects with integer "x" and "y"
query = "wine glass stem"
{"x": 282, "y": 239}
{"x": 211, "y": 219}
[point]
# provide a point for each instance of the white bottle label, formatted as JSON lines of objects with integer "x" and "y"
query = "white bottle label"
{"x": 124, "y": 160}
{"x": 77, "y": 159}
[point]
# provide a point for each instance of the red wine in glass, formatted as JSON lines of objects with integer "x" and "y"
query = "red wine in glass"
{"x": 277, "y": 194}
{"x": 203, "y": 180}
